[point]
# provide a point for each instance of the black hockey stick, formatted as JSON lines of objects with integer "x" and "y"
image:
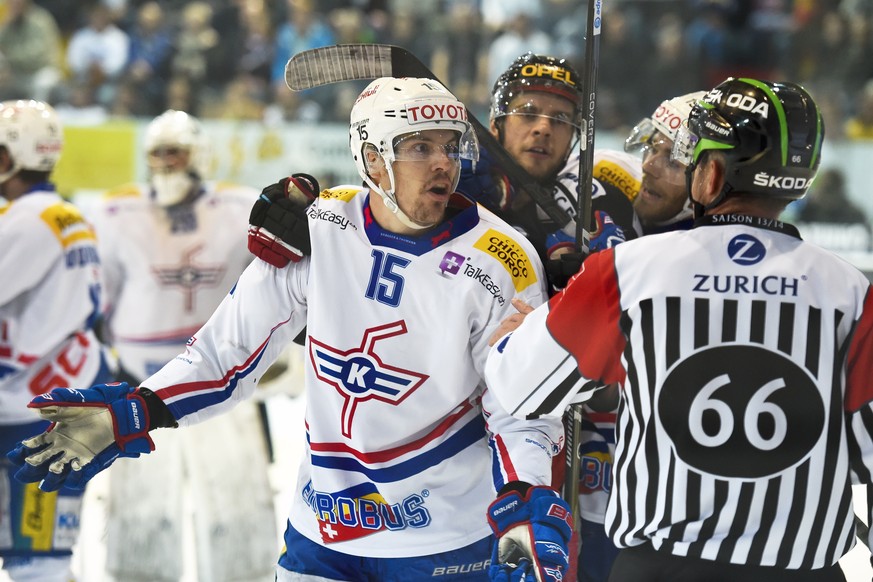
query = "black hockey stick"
{"x": 352, "y": 62}
{"x": 573, "y": 419}
{"x": 862, "y": 530}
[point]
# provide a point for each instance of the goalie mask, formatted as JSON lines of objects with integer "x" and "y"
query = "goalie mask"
{"x": 770, "y": 134}
{"x": 177, "y": 156}
{"x": 391, "y": 109}
{"x": 32, "y": 135}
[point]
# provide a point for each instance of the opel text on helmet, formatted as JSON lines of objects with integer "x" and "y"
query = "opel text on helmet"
{"x": 169, "y": 138}
{"x": 770, "y": 134}
{"x": 537, "y": 73}
{"x": 32, "y": 135}
{"x": 390, "y": 109}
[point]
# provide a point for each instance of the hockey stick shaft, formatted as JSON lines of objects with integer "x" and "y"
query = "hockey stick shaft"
{"x": 349, "y": 62}
{"x": 573, "y": 421}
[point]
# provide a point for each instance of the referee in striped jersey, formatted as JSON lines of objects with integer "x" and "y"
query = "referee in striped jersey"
{"x": 744, "y": 358}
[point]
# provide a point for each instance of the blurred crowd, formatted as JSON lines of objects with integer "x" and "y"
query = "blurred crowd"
{"x": 224, "y": 59}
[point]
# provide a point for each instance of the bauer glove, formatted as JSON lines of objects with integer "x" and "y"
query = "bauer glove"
{"x": 90, "y": 429}
{"x": 278, "y": 225}
{"x": 533, "y": 533}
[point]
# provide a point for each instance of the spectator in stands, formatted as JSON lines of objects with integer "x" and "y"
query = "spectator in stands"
{"x": 829, "y": 201}
{"x": 193, "y": 44}
{"x": 30, "y": 52}
{"x": 668, "y": 72}
{"x": 247, "y": 35}
{"x": 182, "y": 96}
{"x": 860, "y": 123}
{"x": 151, "y": 44}
{"x": 97, "y": 55}
{"x": 302, "y": 30}
{"x": 521, "y": 34}
{"x": 463, "y": 59}
{"x": 625, "y": 55}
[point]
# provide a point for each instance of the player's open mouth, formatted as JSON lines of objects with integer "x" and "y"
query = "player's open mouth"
{"x": 538, "y": 151}
{"x": 440, "y": 191}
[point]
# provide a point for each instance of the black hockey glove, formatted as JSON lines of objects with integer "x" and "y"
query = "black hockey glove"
{"x": 278, "y": 226}
{"x": 560, "y": 269}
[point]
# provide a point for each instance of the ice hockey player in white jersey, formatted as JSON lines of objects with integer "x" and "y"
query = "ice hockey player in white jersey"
{"x": 405, "y": 446}
{"x": 49, "y": 301}
{"x": 746, "y": 404}
{"x": 171, "y": 249}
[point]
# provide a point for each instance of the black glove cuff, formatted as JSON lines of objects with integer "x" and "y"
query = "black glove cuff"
{"x": 518, "y": 486}
{"x": 159, "y": 415}
{"x": 561, "y": 269}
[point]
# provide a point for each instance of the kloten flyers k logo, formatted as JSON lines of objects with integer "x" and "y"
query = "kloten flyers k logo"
{"x": 359, "y": 374}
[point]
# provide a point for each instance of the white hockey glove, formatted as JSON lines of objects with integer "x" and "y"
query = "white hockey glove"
{"x": 90, "y": 429}
{"x": 533, "y": 533}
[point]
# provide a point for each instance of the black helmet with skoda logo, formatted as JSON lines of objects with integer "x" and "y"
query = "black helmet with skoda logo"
{"x": 770, "y": 134}
{"x": 546, "y": 74}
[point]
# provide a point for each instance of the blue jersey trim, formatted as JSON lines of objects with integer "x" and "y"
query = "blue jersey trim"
{"x": 470, "y": 434}
{"x": 463, "y": 213}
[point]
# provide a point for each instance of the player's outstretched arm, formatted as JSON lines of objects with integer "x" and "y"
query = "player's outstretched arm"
{"x": 90, "y": 429}
{"x": 533, "y": 526}
{"x": 278, "y": 225}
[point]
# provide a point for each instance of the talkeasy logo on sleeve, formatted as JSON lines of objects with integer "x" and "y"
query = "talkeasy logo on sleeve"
{"x": 361, "y": 511}
{"x": 511, "y": 256}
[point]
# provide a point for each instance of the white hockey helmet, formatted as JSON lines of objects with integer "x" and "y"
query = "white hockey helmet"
{"x": 392, "y": 107}
{"x": 667, "y": 119}
{"x": 32, "y": 134}
{"x": 180, "y": 131}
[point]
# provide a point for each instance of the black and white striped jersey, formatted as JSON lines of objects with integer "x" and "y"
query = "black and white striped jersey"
{"x": 746, "y": 360}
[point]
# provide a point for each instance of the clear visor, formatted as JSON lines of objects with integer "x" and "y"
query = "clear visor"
{"x": 684, "y": 145}
{"x": 656, "y": 150}
{"x": 532, "y": 112}
{"x": 640, "y": 135}
{"x": 423, "y": 146}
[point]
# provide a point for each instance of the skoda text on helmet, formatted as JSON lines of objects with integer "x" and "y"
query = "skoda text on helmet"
{"x": 389, "y": 108}
{"x": 545, "y": 74}
{"x": 32, "y": 135}
{"x": 171, "y": 133}
{"x": 770, "y": 134}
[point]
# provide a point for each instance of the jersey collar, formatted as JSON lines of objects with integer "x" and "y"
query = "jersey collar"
{"x": 463, "y": 216}
{"x": 746, "y": 220}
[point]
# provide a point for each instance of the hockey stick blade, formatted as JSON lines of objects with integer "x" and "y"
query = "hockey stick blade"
{"x": 337, "y": 63}
{"x": 355, "y": 62}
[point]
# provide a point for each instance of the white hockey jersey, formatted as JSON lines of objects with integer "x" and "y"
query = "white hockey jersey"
{"x": 399, "y": 461}
{"x": 166, "y": 269}
{"x": 49, "y": 299}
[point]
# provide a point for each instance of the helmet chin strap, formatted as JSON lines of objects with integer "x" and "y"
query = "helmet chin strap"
{"x": 391, "y": 201}
{"x": 11, "y": 172}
